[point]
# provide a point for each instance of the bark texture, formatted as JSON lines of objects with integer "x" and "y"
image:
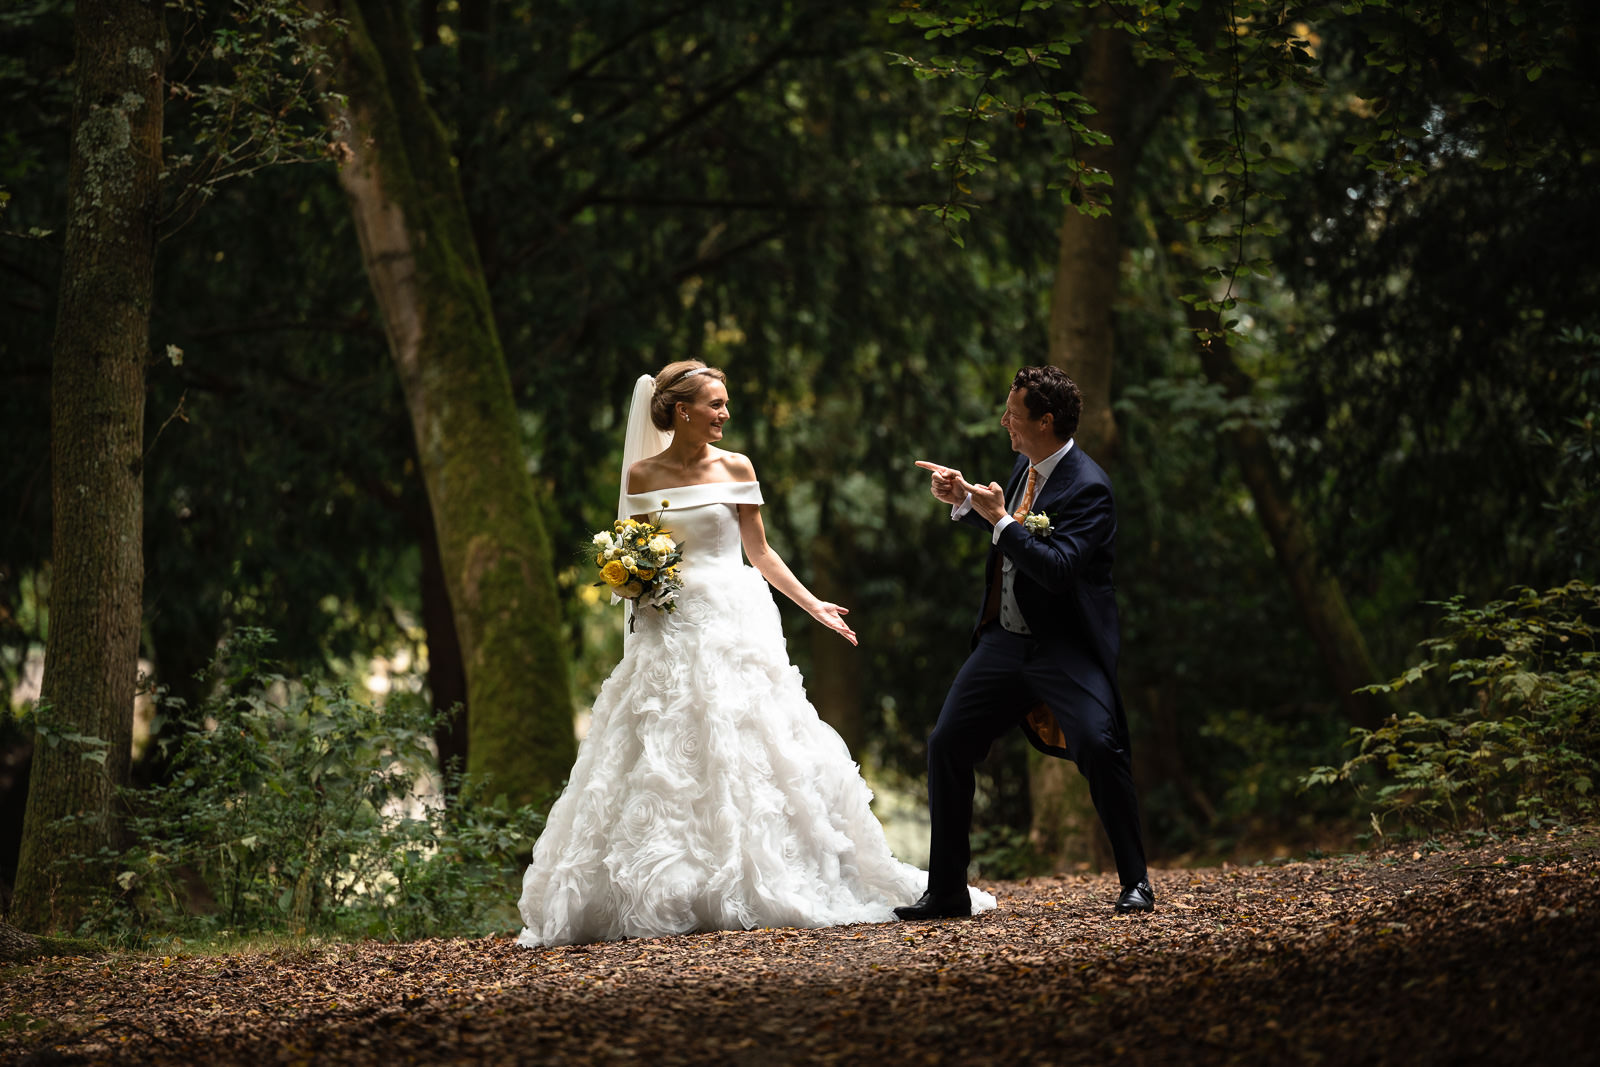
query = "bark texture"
{"x": 420, "y": 257}
{"x": 1065, "y": 827}
{"x": 96, "y": 441}
{"x": 19, "y": 947}
{"x": 1089, "y": 267}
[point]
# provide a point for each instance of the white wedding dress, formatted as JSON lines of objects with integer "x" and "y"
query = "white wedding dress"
{"x": 707, "y": 794}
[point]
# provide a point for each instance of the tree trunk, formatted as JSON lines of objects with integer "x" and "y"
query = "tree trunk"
{"x": 417, "y": 245}
{"x": 1089, "y": 267}
{"x": 1083, "y": 343}
{"x": 1321, "y": 600}
{"x": 97, "y": 439}
{"x": 19, "y": 947}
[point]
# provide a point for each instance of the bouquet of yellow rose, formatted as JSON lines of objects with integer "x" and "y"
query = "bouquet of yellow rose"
{"x": 639, "y": 561}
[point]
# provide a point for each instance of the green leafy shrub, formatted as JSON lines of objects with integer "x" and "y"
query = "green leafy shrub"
{"x": 1004, "y": 853}
{"x": 302, "y": 809}
{"x": 1523, "y": 748}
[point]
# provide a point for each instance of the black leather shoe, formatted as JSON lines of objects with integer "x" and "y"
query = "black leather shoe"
{"x": 938, "y": 906}
{"x": 1136, "y": 897}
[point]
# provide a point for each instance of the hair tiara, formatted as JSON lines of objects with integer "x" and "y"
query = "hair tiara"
{"x": 690, "y": 373}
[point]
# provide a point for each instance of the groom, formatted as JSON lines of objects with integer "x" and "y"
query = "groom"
{"x": 1044, "y": 653}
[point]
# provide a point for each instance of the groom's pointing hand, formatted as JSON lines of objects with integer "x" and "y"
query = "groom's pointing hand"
{"x": 947, "y": 484}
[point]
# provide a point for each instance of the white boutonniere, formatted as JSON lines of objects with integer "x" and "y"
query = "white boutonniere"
{"x": 1038, "y": 524}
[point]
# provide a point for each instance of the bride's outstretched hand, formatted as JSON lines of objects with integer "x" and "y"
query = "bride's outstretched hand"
{"x": 829, "y": 615}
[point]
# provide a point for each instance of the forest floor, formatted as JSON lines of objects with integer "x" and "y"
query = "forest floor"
{"x": 1483, "y": 954}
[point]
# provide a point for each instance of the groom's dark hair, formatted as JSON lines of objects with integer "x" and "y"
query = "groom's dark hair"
{"x": 1050, "y": 392}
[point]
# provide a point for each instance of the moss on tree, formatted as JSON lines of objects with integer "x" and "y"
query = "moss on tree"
{"x": 423, "y": 263}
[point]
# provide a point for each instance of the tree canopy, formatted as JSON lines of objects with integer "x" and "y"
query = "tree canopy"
{"x": 855, "y": 211}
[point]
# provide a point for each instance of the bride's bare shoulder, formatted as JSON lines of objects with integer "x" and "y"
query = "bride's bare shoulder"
{"x": 645, "y": 475}
{"x": 737, "y": 467}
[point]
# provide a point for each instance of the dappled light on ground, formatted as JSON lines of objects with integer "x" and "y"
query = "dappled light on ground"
{"x": 1486, "y": 954}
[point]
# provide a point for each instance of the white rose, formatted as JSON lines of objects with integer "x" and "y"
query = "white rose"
{"x": 629, "y": 562}
{"x": 602, "y": 539}
{"x": 660, "y": 546}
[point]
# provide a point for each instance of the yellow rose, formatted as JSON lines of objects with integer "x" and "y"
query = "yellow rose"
{"x": 614, "y": 573}
{"x": 645, "y": 574}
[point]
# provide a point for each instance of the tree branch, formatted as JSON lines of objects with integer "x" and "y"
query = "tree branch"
{"x": 713, "y": 99}
{"x": 582, "y": 69}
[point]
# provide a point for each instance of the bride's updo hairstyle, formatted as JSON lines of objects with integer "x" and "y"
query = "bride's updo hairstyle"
{"x": 679, "y": 383}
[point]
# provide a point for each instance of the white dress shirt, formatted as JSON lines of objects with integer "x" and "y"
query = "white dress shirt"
{"x": 1010, "y": 614}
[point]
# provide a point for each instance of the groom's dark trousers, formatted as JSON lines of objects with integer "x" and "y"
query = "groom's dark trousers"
{"x": 1058, "y": 683}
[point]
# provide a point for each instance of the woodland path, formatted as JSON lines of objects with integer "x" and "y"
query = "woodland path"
{"x": 1489, "y": 954}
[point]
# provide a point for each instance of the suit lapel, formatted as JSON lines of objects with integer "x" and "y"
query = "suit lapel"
{"x": 1061, "y": 476}
{"x": 1060, "y": 483}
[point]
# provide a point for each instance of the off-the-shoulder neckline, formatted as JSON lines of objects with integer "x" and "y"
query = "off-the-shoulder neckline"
{"x": 692, "y": 485}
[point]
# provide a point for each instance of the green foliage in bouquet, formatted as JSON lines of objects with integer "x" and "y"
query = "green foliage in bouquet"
{"x": 301, "y": 809}
{"x": 639, "y": 561}
{"x": 1523, "y": 748}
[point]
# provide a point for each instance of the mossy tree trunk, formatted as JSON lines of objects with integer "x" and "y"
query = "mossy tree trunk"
{"x": 1089, "y": 261}
{"x": 1083, "y": 343}
{"x": 96, "y": 444}
{"x": 416, "y": 241}
{"x": 16, "y": 946}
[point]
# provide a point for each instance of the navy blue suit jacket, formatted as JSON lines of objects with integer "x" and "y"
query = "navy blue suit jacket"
{"x": 1063, "y": 585}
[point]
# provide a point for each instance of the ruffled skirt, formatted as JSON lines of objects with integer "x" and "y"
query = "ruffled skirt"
{"x": 708, "y": 795}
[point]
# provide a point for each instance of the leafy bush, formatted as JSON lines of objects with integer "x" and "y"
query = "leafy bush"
{"x": 1004, "y": 853}
{"x": 301, "y": 809}
{"x": 1524, "y": 746}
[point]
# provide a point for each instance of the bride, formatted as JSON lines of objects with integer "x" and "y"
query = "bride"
{"x": 707, "y": 794}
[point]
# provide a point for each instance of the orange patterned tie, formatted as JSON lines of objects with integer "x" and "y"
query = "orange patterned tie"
{"x": 1027, "y": 495}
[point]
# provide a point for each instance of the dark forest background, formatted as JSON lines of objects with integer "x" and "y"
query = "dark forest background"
{"x": 1395, "y": 382}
